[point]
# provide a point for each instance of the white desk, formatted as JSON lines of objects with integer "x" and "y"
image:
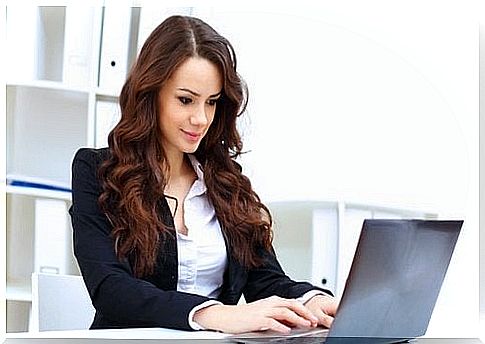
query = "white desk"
{"x": 156, "y": 335}
{"x": 139, "y": 333}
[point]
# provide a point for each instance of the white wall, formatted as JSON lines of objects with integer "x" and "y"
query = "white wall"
{"x": 371, "y": 102}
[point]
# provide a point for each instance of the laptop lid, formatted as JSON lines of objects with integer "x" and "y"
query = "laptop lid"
{"x": 395, "y": 278}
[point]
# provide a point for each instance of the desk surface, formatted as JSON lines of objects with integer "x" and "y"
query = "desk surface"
{"x": 178, "y": 341}
{"x": 158, "y": 335}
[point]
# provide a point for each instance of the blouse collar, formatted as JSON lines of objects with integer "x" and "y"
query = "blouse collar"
{"x": 199, "y": 170}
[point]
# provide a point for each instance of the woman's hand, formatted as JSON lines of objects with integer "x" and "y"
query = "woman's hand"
{"x": 273, "y": 313}
{"x": 324, "y": 308}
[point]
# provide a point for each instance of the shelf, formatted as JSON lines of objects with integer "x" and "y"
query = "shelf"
{"x": 102, "y": 92}
{"x": 407, "y": 210}
{"x": 19, "y": 290}
{"x": 35, "y": 192}
{"x": 53, "y": 85}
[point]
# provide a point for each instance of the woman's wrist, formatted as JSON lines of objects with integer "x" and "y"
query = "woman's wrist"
{"x": 210, "y": 317}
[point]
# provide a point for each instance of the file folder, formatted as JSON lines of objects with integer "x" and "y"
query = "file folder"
{"x": 78, "y": 45}
{"x": 114, "y": 47}
{"x": 22, "y": 36}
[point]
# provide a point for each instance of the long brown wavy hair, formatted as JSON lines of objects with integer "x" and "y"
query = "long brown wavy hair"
{"x": 134, "y": 176}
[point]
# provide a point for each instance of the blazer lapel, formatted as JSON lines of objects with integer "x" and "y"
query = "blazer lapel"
{"x": 235, "y": 276}
{"x": 165, "y": 275}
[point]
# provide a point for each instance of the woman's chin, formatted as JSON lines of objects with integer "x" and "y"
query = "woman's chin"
{"x": 191, "y": 149}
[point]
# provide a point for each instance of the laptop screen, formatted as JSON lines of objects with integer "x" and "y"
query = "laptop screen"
{"x": 395, "y": 278}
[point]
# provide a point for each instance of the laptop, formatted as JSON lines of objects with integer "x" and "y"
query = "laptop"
{"x": 392, "y": 287}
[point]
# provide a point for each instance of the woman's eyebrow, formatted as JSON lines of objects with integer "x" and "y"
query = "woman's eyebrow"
{"x": 196, "y": 94}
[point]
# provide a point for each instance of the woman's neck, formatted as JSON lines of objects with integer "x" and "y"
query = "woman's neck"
{"x": 179, "y": 166}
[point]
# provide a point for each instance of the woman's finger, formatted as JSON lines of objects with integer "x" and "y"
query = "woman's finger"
{"x": 288, "y": 316}
{"x": 330, "y": 305}
{"x": 272, "y": 324}
{"x": 324, "y": 319}
{"x": 298, "y": 308}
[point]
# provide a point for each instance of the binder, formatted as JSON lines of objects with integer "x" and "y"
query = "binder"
{"x": 324, "y": 247}
{"x": 22, "y": 43}
{"x": 78, "y": 45}
{"x": 114, "y": 46}
{"x": 51, "y": 236}
{"x": 108, "y": 114}
{"x": 349, "y": 232}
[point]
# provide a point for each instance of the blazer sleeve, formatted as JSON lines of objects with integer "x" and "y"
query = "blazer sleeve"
{"x": 270, "y": 279}
{"x": 119, "y": 297}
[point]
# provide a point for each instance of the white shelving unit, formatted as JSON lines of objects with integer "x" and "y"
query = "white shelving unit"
{"x": 52, "y": 89}
{"x": 18, "y": 290}
{"x": 66, "y": 66}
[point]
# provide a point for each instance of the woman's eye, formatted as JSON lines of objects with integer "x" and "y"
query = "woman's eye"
{"x": 185, "y": 100}
{"x": 212, "y": 102}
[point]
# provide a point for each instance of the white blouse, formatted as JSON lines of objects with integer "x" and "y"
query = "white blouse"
{"x": 202, "y": 253}
{"x": 202, "y": 256}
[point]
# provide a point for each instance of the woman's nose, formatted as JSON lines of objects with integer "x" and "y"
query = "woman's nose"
{"x": 199, "y": 117}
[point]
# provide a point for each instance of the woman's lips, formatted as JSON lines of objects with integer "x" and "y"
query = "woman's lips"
{"x": 192, "y": 136}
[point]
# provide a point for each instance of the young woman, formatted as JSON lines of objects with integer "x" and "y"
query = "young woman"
{"x": 167, "y": 230}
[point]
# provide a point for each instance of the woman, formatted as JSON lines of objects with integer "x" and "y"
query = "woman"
{"x": 167, "y": 230}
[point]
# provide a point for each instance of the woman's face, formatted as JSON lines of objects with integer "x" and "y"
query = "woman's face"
{"x": 187, "y": 104}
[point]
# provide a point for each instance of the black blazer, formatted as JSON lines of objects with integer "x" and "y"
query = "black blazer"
{"x": 120, "y": 299}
